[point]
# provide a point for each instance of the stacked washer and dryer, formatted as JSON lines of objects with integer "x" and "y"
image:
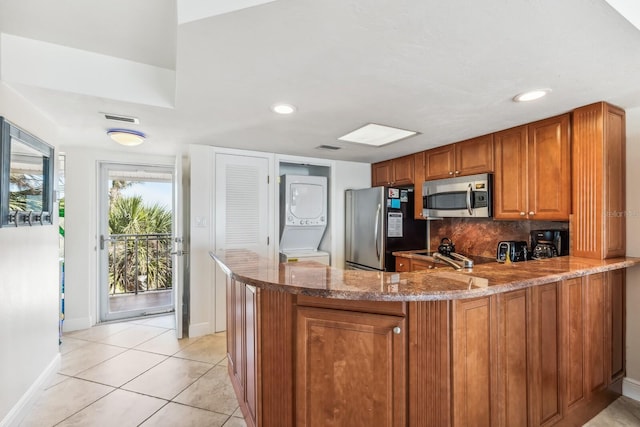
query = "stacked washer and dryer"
{"x": 303, "y": 218}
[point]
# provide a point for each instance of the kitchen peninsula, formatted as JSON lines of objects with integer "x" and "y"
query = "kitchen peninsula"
{"x": 530, "y": 343}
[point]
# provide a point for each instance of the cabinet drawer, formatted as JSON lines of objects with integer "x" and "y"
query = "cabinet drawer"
{"x": 394, "y": 308}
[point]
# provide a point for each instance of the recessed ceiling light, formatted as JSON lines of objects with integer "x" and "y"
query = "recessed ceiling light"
{"x": 377, "y": 135}
{"x": 283, "y": 108}
{"x": 532, "y": 95}
{"x": 126, "y": 137}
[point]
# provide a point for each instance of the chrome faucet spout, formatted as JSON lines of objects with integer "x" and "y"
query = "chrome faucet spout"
{"x": 447, "y": 261}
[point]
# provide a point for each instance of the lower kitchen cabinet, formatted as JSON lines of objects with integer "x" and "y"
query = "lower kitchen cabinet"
{"x": 350, "y": 368}
{"x": 538, "y": 356}
{"x": 472, "y": 362}
{"x": 545, "y": 360}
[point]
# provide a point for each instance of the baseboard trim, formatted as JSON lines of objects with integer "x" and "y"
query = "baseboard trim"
{"x": 21, "y": 408}
{"x": 76, "y": 324}
{"x": 199, "y": 329}
{"x": 631, "y": 388}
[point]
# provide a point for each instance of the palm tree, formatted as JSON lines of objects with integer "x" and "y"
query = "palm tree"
{"x": 145, "y": 256}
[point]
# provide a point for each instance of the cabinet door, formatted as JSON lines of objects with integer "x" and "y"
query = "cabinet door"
{"x": 545, "y": 360}
{"x": 402, "y": 171}
{"x": 350, "y": 368}
{"x": 573, "y": 325}
{"x": 513, "y": 366}
{"x": 474, "y": 156}
{"x": 549, "y": 169}
{"x": 596, "y": 334}
{"x": 439, "y": 162}
{"x": 381, "y": 173}
{"x": 510, "y": 178}
{"x": 231, "y": 326}
{"x": 472, "y": 357}
{"x": 250, "y": 353}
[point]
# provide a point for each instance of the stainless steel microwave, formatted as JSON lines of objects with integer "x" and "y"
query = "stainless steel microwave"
{"x": 461, "y": 197}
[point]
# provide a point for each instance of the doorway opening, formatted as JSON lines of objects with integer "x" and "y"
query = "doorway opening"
{"x": 136, "y": 219}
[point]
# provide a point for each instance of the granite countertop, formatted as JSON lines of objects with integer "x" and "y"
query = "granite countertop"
{"x": 314, "y": 279}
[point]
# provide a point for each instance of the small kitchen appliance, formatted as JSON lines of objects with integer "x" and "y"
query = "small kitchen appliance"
{"x": 461, "y": 197}
{"x": 517, "y": 251}
{"x": 549, "y": 243}
{"x": 446, "y": 246}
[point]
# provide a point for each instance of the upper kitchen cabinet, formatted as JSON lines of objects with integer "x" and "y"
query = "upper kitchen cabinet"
{"x": 393, "y": 172}
{"x": 598, "y": 155}
{"x": 533, "y": 171}
{"x": 462, "y": 158}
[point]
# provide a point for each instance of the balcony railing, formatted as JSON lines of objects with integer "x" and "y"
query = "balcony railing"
{"x": 139, "y": 263}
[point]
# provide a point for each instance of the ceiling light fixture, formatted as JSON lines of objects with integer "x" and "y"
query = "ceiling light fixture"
{"x": 126, "y": 137}
{"x": 377, "y": 135}
{"x": 283, "y": 108}
{"x": 531, "y": 95}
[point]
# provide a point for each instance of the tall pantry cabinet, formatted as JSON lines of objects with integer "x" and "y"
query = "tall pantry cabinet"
{"x": 598, "y": 155}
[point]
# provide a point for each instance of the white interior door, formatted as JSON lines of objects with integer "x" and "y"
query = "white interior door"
{"x": 242, "y": 214}
{"x": 178, "y": 253}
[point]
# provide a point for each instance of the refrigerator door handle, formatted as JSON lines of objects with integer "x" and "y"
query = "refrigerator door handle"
{"x": 375, "y": 231}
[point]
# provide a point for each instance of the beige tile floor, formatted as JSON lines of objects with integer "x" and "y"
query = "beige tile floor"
{"x": 137, "y": 373}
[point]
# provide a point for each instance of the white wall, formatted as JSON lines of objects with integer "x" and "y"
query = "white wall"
{"x": 632, "y": 387}
{"x": 81, "y": 219}
{"x": 29, "y": 288}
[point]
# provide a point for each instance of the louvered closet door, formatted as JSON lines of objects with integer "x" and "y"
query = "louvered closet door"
{"x": 241, "y": 203}
{"x": 241, "y": 213}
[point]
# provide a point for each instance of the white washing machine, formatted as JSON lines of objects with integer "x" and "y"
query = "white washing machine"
{"x": 303, "y": 217}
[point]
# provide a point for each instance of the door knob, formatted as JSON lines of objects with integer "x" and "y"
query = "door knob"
{"x": 397, "y": 330}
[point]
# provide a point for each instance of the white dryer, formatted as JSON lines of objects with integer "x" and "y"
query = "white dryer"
{"x": 303, "y": 214}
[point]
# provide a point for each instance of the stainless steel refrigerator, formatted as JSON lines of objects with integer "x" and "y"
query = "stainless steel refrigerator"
{"x": 379, "y": 221}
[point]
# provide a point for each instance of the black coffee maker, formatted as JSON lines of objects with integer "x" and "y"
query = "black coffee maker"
{"x": 549, "y": 243}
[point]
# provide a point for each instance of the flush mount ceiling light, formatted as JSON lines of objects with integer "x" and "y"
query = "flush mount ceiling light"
{"x": 283, "y": 108}
{"x": 377, "y": 135}
{"x": 126, "y": 137}
{"x": 531, "y": 95}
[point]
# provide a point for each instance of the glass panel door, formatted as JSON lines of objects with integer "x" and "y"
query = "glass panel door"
{"x": 135, "y": 240}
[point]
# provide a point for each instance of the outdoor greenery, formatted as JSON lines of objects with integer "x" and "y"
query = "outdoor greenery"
{"x": 141, "y": 243}
{"x": 22, "y": 187}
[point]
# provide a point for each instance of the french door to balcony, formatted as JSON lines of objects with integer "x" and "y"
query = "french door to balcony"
{"x": 135, "y": 241}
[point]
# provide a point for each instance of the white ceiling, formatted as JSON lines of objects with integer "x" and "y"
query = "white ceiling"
{"x": 447, "y": 69}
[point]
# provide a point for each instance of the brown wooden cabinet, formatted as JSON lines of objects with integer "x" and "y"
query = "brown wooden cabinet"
{"x": 468, "y": 157}
{"x": 533, "y": 171}
{"x": 241, "y": 345}
{"x": 528, "y": 357}
{"x": 473, "y": 353}
{"x": 403, "y": 264}
{"x": 350, "y": 368}
{"x": 598, "y": 156}
{"x": 545, "y": 360}
{"x": 393, "y": 172}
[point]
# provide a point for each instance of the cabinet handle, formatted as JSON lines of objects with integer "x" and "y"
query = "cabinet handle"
{"x": 397, "y": 330}
{"x": 450, "y": 173}
{"x": 532, "y": 213}
{"x": 401, "y": 265}
{"x": 457, "y": 172}
{"x": 522, "y": 214}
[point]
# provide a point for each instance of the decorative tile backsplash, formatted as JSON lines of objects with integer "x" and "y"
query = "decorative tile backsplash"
{"x": 480, "y": 236}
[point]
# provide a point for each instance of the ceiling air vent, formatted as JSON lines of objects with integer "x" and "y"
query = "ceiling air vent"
{"x": 327, "y": 147}
{"x": 119, "y": 118}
